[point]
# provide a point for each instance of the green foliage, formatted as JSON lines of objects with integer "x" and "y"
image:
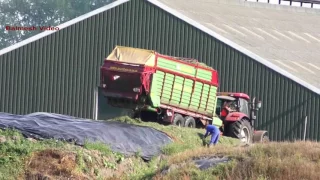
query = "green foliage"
{"x": 119, "y": 157}
{"x": 221, "y": 169}
{"x": 96, "y": 171}
{"x": 27, "y": 13}
{"x": 80, "y": 161}
{"x": 145, "y": 170}
{"x": 127, "y": 119}
{"x": 174, "y": 148}
{"x": 110, "y": 165}
{"x": 138, "y": 153}
{"x": 190, "y": 170}
{"x": 99, "y": 146}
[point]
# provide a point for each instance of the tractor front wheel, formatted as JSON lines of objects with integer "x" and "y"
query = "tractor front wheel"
{"x": 241, "y": 130}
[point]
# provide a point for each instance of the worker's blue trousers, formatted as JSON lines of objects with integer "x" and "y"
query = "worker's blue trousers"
{"x": 215, "y": 137}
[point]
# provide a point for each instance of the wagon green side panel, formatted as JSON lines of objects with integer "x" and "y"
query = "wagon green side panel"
{"x": 217, "y": 121}
{"x": 155, "y": 89}
{"x": 176, "y": 66}
{"x": 184, "y": 69}
{"x": 204, "y": 74}
{"x": 184, "y": 93}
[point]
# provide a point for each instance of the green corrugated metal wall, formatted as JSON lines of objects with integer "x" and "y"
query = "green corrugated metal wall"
{"x": 58, "y": 73}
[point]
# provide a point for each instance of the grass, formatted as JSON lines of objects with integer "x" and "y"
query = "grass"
{"x": 128, "y": 120}
{"x": 94, "y": 159}
{"x": 184, "y": 138}
{"x": 286, "y": 160}
{"x": 99, "y": 146}
{"x": 22, "y": 158}
{"x": 25, "y": 158}
{"x": 16, "y": 149}
{"x": 276, "y": 160}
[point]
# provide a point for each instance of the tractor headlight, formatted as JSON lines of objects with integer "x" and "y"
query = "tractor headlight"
{"x": 259, "y": 104}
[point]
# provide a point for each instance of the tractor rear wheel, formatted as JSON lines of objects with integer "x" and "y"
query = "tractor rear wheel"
{"x": 190, "y": 122}
{"x": 241, "y": 130}
{"x": 178, "y": 120}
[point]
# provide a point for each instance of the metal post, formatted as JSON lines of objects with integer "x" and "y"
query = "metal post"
{"x": 305, "y": 128}
{"x": 95, "y": 106}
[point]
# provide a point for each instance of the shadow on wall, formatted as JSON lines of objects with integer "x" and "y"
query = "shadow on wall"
{"x": 106, "y": 111}
{"x": 294, "y": 130}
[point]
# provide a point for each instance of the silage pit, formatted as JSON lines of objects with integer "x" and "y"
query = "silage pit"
{"x": 128, "y": 139}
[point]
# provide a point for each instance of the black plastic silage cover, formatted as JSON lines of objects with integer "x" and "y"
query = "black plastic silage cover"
{"x": 208, "y": 162}
{"x": 125, "y": 138}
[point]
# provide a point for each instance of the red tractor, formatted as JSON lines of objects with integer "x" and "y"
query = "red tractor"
{"x": 238, "y": 115}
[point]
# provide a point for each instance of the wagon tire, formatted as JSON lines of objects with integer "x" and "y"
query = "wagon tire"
{"x": 178, "y": 120}
{"x": 190, "y": 122}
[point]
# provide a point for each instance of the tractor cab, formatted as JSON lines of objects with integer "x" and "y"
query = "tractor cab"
{"x": 238, "y": 114}
{"x": 228, "y": 102}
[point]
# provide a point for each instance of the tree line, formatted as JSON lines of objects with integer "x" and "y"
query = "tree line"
{"x": 39, "y": 13}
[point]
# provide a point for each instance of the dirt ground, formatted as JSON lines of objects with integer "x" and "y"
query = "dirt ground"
{"x": 56, "y": 164}
{"x": 52, "y": 164}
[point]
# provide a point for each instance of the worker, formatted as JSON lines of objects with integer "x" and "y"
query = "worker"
{"x": 226, "y": 109}
{"x": 214, "y": 132}
{"x": 228, "y": 106}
